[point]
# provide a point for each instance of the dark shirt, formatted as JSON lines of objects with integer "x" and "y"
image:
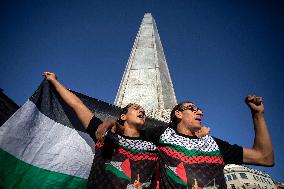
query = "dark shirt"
{"x": 188, "y": 160}
{"x": 121, "y": 161}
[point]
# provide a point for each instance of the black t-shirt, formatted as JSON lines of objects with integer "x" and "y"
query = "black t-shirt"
{"x": 121, "y": 161}
{"x": 186, "y": 161}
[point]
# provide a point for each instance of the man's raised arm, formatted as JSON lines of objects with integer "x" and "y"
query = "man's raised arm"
{"x": 262, "y": 151}
{"x": 82, "y": 111}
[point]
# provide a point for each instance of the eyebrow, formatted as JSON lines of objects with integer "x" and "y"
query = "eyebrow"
{"x": 189, "y": 105}
{"x": 137, "y": 107}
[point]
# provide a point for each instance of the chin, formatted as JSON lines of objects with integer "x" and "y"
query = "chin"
{"x": 196, "y": 127}
{"x": 140, "y": 124}
{"x": 198, "y": 124}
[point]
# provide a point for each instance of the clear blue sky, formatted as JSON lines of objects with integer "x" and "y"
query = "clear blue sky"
{"x": 217, "y": 52}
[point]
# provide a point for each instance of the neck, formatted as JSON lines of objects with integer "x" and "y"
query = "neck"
{"x": 182, "y": 129}
{"x": 131, "y": 131}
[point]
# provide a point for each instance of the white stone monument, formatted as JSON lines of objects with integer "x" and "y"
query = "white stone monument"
{"x": 146, "y": 79}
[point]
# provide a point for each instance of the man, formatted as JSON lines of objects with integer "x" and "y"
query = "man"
{"x": 122, "y": 160}
{"x": 187, "y": 161}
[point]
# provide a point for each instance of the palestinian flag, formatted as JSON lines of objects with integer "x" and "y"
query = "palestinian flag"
{"x": 178, "y": 174}
{"x": 43, "y": 145}
{"x": 120, "y": 169}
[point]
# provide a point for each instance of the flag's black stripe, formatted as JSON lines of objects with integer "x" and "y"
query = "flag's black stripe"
{"x": 51, "y": 105}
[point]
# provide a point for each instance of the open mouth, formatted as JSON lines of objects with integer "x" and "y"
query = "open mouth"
{"x": 198, "y": 119}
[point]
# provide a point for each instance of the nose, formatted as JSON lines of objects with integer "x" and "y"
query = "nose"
{"x": 142, "y": 111}
{"x": 199, "y": 112}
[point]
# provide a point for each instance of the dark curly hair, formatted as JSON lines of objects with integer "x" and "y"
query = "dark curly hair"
{"x": 125, "y": 110}
{"x": 174, "y": 120}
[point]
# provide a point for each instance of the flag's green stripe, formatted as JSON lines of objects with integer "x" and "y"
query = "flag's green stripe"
{"x": 15, "y": 173}
{"x": 117, "y": 172}
{"x": 172, "y": 175}
{"x": 190, "y": 153}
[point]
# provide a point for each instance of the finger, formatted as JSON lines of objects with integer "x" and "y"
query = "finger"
{"x": 100, "y": 137}
{"x": 259, "y": 99}
{"x": 46, "y": 74}
{"x": 251, "y": 99}
{"x": 113, "y": 129}
{"x": 99, "y": 134}
{"x": 248, "y": 98}
{"x": 199, "y": 134}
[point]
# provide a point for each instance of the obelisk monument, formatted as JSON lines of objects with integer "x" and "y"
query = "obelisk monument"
{"x": 146, "y": 79}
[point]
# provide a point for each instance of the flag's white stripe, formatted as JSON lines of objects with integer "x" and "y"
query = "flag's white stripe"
{"x": 38, "y": 140}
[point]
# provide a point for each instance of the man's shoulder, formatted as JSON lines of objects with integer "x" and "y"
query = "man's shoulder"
{"x": 218, "y": 140}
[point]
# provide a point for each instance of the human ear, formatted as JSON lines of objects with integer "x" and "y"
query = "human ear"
{"x": 178, "y": 114}
{"x": 123, "y": 117}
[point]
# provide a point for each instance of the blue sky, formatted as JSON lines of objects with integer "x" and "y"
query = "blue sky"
{"x": 217, "y": 52}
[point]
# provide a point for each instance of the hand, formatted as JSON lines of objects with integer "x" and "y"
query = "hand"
{"x": 107, "y": 125}
{"x": 255, "y": 103}
{"x": 202, "y": 132}
{"x": 49, "y": 76}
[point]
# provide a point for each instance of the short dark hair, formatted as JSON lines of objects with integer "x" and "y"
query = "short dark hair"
{"x": 124, "y": 111}
{"x": 174, "y": 120}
